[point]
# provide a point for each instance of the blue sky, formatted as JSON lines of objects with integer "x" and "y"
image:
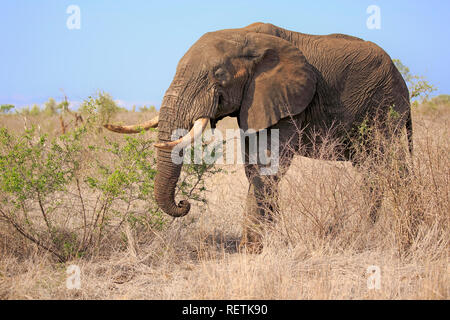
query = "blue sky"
{"x": 130, "y": 49}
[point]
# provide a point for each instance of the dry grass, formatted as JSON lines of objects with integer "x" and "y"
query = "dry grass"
{"x": 319, "y": 249}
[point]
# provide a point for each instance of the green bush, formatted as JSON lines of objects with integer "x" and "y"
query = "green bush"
{"x": 35, "y": 110}
{"x": 5, "y": 108}
{"x": 71, "y": 196}
{"x": 26, "y": 111}
{"x": 102, "y": 106}
{"x": 443, "y": 99}
{"x": 32, "y": 171}
{"x": 50, "y": 107}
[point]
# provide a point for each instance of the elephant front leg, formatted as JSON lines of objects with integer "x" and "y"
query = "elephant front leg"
{"x": 261, "y": 204}
{"x": 263, "y": 177}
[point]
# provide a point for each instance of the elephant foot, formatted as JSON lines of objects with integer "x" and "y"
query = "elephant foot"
{"x": 251, "y": 243}
{"x": 374, "y": 212}
{"x": 251, "y": 247}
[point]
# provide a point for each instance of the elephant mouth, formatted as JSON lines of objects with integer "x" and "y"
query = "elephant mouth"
{"x": 213, "y": 120}
{"x": 220, "y": 100}
{"x": 223, "y": 108}
{"x": 220, "y": 104}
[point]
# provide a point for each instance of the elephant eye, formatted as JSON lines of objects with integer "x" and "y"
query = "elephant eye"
{"x": 221, "y": 74}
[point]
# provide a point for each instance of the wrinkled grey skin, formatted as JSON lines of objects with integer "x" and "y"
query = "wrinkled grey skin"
{"x": 269, "y": 77}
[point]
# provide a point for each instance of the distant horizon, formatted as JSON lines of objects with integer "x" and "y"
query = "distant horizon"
{"x": 74, "y": 105}
{"x": 131, "y": 50}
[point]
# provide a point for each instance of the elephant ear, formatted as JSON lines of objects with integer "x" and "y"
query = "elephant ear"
{"x": 283, "y": 83}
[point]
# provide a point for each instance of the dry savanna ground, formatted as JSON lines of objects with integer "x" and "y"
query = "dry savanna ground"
{"x": 320, "y": 248}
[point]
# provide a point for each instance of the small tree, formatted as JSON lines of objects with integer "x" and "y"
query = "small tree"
{"x": 5, "y": 108}
{"x": 50, "y": 107}
{"x": 419, "y": 87}
{"x": 103, "y": 107}
{"x": 25, "y": 111}
{"x": 144, "y": 108}
{"x": 35, "y": 110}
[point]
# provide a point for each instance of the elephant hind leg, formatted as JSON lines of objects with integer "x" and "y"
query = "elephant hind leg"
{"x": 375, "y": 194}
{"x": 384, "y": 158}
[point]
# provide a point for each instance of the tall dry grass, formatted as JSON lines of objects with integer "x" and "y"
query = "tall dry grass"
{"x": 319, "y": 248}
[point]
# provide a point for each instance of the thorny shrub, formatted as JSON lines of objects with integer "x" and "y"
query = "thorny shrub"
{"x": 70, "y": 197}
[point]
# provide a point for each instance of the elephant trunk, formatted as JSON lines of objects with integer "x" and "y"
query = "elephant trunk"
{"x": 168, "y": 172}
{"x": 165, "y": 184}
{"x": 178, "y": 113}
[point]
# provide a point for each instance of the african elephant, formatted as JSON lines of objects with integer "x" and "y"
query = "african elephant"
{"x": 272, "y": 78}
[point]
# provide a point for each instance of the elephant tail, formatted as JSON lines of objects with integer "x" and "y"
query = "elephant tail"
{"x": 409, "y": 132}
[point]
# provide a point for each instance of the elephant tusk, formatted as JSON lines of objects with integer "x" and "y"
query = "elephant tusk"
{"x": 153, "y": 123}
{"x": 196, "y": 131}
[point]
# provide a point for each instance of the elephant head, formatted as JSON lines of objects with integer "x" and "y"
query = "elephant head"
{"x": 258, "y": 78}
